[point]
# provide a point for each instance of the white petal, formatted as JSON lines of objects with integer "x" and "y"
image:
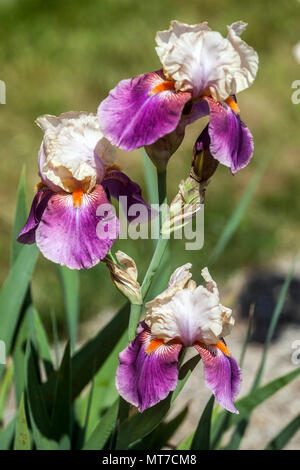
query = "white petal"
{"x": 199, "y": 59}
{"x": 211, "y": 285}
{"x": 227, "y": 321}
{"x": 190, "y": 315}
{"x": 166, "y": 39}
{"x": 245, "y": 75}
{"x": 178, "y": 280}
{"x": 239, "y": 27}
{"x": 180, "y": 276}
{"x": 75, "y": 151}
{"x": 179, "y": 28}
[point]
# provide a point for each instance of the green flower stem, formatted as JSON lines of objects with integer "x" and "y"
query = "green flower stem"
{"x": 135, "y": 312}
{"x": 162, "y": 194}
{"x": 162, "y": 186}
{"x": 154, "y": 265}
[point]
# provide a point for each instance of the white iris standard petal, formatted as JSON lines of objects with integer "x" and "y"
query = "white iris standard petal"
{"x": 74, "y": 152}
{"x": 166, "y": 39}
{"x": 189, "y": 314}
{"x": 200, "y": 60}
{"x": 245, "y": 75}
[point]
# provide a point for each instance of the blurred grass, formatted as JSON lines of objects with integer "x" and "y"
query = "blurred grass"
{"x": 58, "y": 56}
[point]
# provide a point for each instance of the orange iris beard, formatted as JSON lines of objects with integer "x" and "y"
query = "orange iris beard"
{"x": 220, "y": 345}
{"x": 155, "y": 343}
{"x": 77, "y": 196}
{"x": 234, "y": 106}
{"x": 163, "y": 86}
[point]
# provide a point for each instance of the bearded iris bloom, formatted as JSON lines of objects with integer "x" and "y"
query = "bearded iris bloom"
{"x": 201, "y": 73}
{"x": 183, "y": 315}
{"x": 78, "y": 177}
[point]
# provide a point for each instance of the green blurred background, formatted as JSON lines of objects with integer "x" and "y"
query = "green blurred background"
{"x": 66, "y": 55}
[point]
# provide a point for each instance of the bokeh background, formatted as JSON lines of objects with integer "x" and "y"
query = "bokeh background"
{"x": 66, "y": 55}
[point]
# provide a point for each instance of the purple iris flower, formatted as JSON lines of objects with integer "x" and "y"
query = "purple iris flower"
{"x": 201, "y": 73}
{"x": 183, "y": 315}
{"x": 72, "y": 219}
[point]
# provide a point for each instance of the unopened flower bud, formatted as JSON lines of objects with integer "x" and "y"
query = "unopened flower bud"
{"x": 125, "y": 277}
{"x": 204, "y": 165}
{"x": 184, "y": 206}
{"x": 161, "y": 150}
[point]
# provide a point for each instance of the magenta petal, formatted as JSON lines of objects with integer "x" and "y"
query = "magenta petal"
{"x": 76, "y": 236}
{"x": 39, "y": 203}
{"x": 118, "y": 184}
{"x": 199, "y": 110}
{"x": 144, "y": 379}
{"x": 131, "y": 117}
{"x": 222, "y": 375}
{"x": 231, "y": 142}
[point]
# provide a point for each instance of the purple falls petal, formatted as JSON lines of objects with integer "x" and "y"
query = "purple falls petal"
{"x": 143, "y": 379}
{"x": 137, "y": 112}
{"x": 231, "y": 142}
{"x": 39, "y": 203}
{"x": 200, "y": 109}
{"x": 77, "y": 237}
{"x": 222, "y": 375}
{"x": 118, "y": 184}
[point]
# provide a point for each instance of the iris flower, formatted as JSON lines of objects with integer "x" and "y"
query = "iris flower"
{"x": 71, "y": 217}
{"x": 183, "y": 315}
{"x": 201, "y": 73}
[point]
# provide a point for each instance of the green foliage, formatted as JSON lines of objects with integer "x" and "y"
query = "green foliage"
{"x": 54, "y": 410}
{"x": 39, "y": 417}
{"x": 5, "y": 385}
{"x": 22, "y": 437}
{"x": 7, "y": 435}
{"x": 283, "y": 437}
{"x": 62, "y": 404}
{"x": 70, "y": 285}
{"x": 161, "y": 435}
{"x": 103, "y": 393}
{"x": 43, "y": 345}
{"x": 201, "y": 439}
{"x": 20, "y": 217}
{"x": 14, "y": 290}
{"x": 103, "y": 429}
